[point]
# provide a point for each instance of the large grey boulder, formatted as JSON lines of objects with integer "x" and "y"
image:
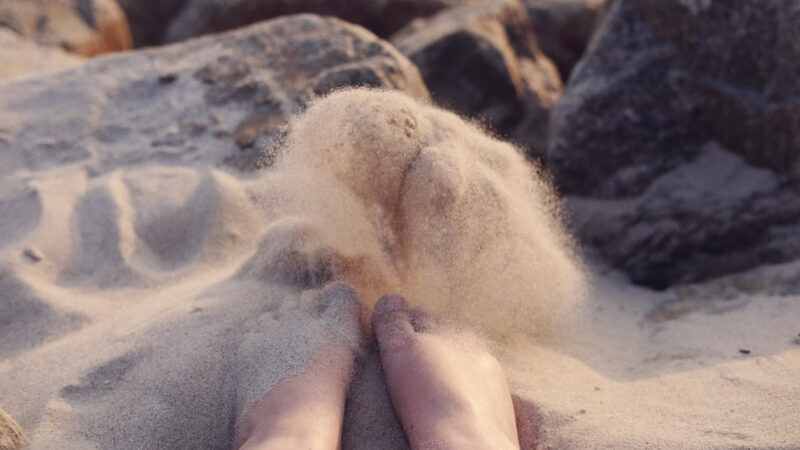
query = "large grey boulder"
{"x": 665, "y": 76}
{"x": 482, "y": 61}
{"x": 664, "y": 81}
{"x": 215, "y": 99}
{"x": 87, "y": 28}
{"x": 383, "y": 17}
{"x": 564, "y": 28}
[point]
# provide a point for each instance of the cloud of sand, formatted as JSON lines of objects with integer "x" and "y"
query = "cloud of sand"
{"x": 392, "y": 195}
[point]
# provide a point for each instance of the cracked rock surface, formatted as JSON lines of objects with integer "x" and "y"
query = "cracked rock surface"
{"x": 221, "y": 99}
{"x": 689, "y": 132}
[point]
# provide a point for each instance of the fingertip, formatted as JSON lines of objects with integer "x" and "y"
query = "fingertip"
{"x": 390, "y": 303}
{"x": 391, "y": 321}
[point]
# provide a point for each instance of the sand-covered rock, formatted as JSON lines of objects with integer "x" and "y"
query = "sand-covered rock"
{"x": 482, "y": 61}
{"x": 684, "y": 117}
{"x": 149, "y": 19}
{"x": 87, "y": 28}
{"x": 564, "y": 28}
{"x": 11, "y": 435}
{"x": 20, "y": 56}
{"x": 203, "y": 100}
{"x": 383, "y": 17}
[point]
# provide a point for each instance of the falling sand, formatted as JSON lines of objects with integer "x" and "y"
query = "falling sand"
{"x": 148, "y": 306}
{"x": 393, "y": 196}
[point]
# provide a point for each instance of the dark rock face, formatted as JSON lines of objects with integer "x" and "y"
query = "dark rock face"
{"x": 218, "y": 99}
{"x": 383, "y": 17}
{"x": 149, "y": 19}
{"x": 482, "y": 61}
{"x": 564, "y": 28}
{"x": 198, "y": 17}
{"x": 662, "y": 78}
{"x": 387, "y": 17}
{"x": 87, "y": 28}
{"x": 713, "y": 216}
{"x": 685, "y": 117}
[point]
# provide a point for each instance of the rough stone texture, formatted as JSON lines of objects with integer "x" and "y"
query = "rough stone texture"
{"x": 85, "y": 27}
{"x": 149, "y": 19}
{"x": 661, "y": 79}
{"x": 564, "y": 28}
{"x": 663, "y": 82}
{"x": 483, "y": 61}
{"x": 383, "y": 17}
{"x": 20, "y": 56}
{"x": 11, "y": 435}
{"x": 223, "y": 97}
{"x": 713, "y": 216}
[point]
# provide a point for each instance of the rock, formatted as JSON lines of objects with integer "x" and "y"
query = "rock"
{"x": 713, "y": 216}
{"x": 212, "y": 100}
{"x": 383, "y": 17}
{"x": 663, "y": 82}
{"x": 663, "y": 78}
{"x": 387, "y": 17}
{"x": 149, "y": 19}
{"x": 21, "y": 56}
{"x": 199, "y": 17}
{"x": 482, "y": 61}
{"x": 564, "y": 28}
{"x": 84, "y": 27}
{"x": 11, "y": 435}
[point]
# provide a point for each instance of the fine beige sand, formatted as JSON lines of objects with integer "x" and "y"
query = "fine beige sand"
{"x": 147, "y": 306}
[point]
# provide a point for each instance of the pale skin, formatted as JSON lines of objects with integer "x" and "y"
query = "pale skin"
{"x": 447, "y": 394}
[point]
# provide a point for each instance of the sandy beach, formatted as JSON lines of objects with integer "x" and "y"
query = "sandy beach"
{"x": 128, "y": 296}
{"x": 610, "y": 205}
